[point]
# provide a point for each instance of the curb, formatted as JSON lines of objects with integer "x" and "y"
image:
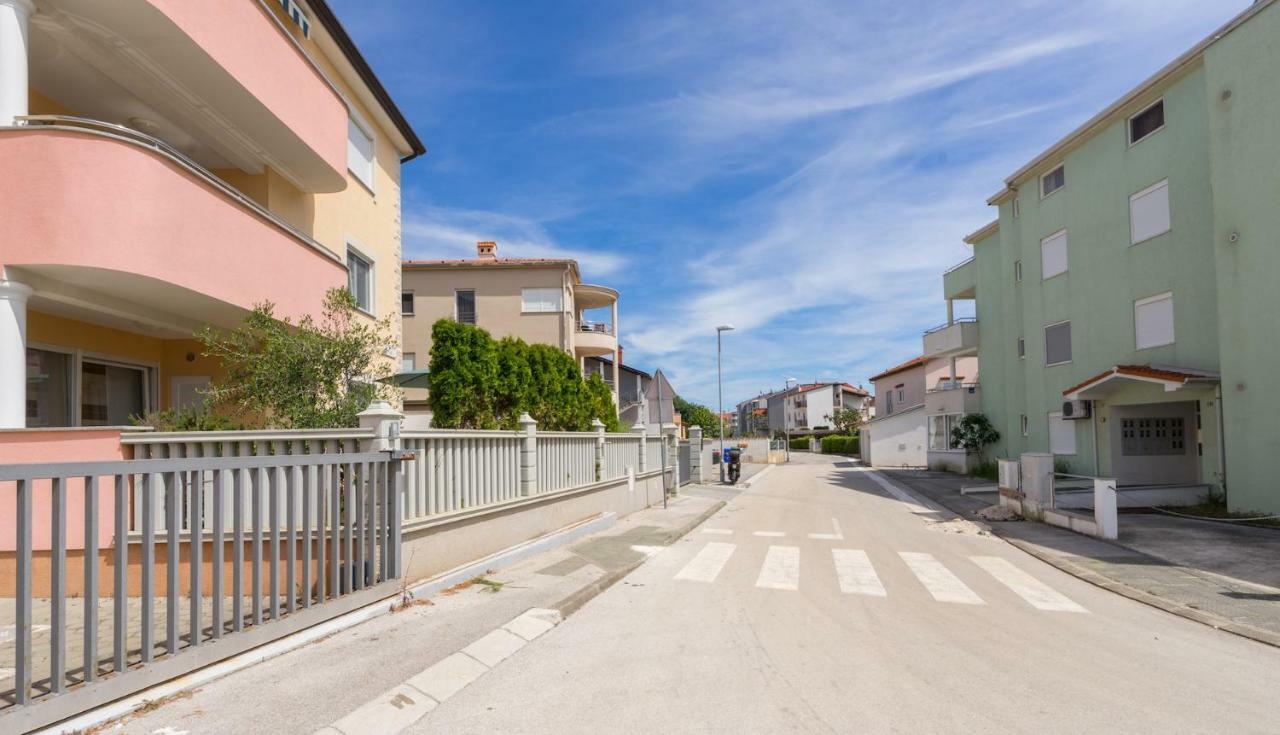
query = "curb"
{"x": 1133, "y": 593}
{"x": 581, "y": 596}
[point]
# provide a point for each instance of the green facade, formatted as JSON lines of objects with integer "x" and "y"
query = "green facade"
{"x": 1221, "y": 156}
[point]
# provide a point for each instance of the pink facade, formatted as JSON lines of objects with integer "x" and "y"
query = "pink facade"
{"x": 247, "y": 44}
{"x": 89, "y": 202}
{"x": 36, "y": 446}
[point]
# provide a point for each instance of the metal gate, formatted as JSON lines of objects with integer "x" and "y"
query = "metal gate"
{"x": 291, "y": 540}
{"x": 684, "y": 463}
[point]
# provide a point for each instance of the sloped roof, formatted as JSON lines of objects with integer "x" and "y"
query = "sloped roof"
{"x": 912, "y": 363}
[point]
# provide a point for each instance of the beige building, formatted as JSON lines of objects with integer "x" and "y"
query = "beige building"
{"x": 539, "y": 300}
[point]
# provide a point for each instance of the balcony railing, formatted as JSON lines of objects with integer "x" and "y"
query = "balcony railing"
{"x": 959, "y": 265}
{"x": 949, "y": 385}
{"x": 128, "y": 135}
{"x": 963, "y": 320}
{"x": 595, "y": 327}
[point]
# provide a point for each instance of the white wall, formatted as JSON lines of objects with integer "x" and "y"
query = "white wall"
{"x": 898, "y": 440}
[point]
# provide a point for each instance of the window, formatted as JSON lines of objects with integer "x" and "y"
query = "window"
{"x": 1053, "y": 181}
{"x": 1022, "y": 348}
{"x": 540, "y": 300}
{"x": 464, "y": 306}
{"x": 48, "y": 388}
{"x": 940, "y": 427}
{"x": 1053, "y": 255}
{"x": 1149, "y": 213}
{"x": 111, "y": 393}
{"x": 902, "y": 395}
{"x": 406, "y": 303}
{"x": 408, "y": 362}
{"x": 1062, "y": 435}
{"x": 360, "y": 280}
{"x": 360, "y": 152}
{"x": 1017, "y": 208}
{"x": 1153, "y": 321}
{"x": 1017, "y": 271}
{"x": 1057, "y": 343}
{"x": 1026, "y": 429}
{"x": 296, "y": 14}
{"x": 1146, "y": 122}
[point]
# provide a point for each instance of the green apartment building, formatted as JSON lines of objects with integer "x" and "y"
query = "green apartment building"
{"x": 1133, "y": 275}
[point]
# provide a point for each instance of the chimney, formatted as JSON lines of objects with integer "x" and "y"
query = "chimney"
{"x": 487, "y": 250}
{"x": 620, "y": 362}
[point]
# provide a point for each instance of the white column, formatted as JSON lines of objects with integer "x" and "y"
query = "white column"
{"x": 528, "y": 455}
{"x": 386, "y": 422}
{"x": 951, "y": 312}
{"x": 13, "y": 353}
{"x": 13, "y": 58}
{"x": 617, "y": 357}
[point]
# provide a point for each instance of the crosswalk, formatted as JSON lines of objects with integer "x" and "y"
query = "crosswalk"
{"x": 856, "y": 574}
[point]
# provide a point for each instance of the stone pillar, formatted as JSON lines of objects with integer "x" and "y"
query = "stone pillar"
{"x": 14, "y": 83}
{"x": 1104, "y": 508}
{"x": 695, "y": 453}
{"x": 644, "y": 447}
{"x": 598, "y": 426}
{"x": 13, "y": 351}
{"x": 528, "y": 455}
{"x": 385, "y": 421}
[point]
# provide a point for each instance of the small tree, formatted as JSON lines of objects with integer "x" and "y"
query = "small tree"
{"x": 845, "y": 420}
{"x": 299, "y": 376}
{"x": 973, "y": 433}
{"x": 696, "y": 414}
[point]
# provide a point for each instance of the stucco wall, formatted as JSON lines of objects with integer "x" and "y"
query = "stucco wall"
{"x": 898, "y": 440}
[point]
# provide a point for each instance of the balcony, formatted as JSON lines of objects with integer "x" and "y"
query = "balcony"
{"x": 224, "y": 82}
{"x": 952, "y": 340}
{"x": 110, "y": 224}
{"x": 952, "y": 397}
{"x": 593, "y": 339}
{"x": 960, "y": 281}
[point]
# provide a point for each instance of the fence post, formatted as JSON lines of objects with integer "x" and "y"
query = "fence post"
{"x": 644, "y": 447}
{"x": 380, "y": 416}
{"x": 695, "y": 453}
{"x": 598, "y": 426}
{"x": 1104, "y": 507}
{"x": 528, "y": 455}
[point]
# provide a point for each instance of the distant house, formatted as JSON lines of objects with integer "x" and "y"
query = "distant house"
{"x": 808, "y": 408}
{"x": 636, "y": 405}
{"x": 905, "y": 432}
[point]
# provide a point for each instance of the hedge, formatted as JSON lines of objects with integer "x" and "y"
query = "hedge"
{"x": 840, "y": 445}
{"x": 800, "y": 445}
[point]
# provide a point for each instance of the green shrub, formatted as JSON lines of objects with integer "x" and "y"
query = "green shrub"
{"x": 837, "y": 444}
{"x": 800, "y": 445}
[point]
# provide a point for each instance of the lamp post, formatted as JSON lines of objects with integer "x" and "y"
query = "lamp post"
{"x": 786, "y": 416}
{"x": 720, "y": 393}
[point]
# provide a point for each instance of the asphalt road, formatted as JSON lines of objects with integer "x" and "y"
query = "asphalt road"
{"x": 820, "y": 602}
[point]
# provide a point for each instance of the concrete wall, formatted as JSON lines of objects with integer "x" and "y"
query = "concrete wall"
{"x": 899, "y": 440}
{"x": 445, "y": 543}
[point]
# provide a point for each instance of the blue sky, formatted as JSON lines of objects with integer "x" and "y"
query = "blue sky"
{"x": 802, "y": 170}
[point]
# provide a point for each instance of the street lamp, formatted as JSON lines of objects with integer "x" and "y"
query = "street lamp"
{"x": 720, "y": 391}
{"x": 786, "y": 416}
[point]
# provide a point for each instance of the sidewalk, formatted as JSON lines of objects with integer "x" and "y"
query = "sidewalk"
{"x": 1226, "y": 576}
{"x": 345, "y": 678}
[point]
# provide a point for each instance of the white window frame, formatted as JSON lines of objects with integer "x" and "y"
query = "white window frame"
{"x": 1046, "y": 174}
{"x": 1162, "y": 184}
{"x": 475, "y": 296}
{"x": 1066, "y": 256}
{"x": 1017, "y": 208}
{"x": 559, "y": 302}
{"x": 1017, "y": 271}
{"x": 1047, "y": 327}
{"x": 354, "y": 249}
{"x": 1128, "y": 123}
{"x": 1173, "y": 336}
{"x": 1070, "y": 429}
{"x": 354, "y": 119}
{"x": 412, "y": 357}
{"x": 78, "y": 356}
{"x": 412, "y": 304}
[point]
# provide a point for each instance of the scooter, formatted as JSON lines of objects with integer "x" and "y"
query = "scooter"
{"x": 734, "y": 462}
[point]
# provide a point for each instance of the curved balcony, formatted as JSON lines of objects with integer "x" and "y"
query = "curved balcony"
{"x": 588, "y": 296}
{"x": 594, "y": 339}
{"x": 107, "y": 211}
{"x": 228, "y": 74}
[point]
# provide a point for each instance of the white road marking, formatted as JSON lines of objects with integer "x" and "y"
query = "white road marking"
{"x": 781, "y": 570}
{"x": 941, "y": 583}
{"x": 913, "y": 504}
{"x": 770, "y": 534}
{"x": 719, "y": 531}
{"x": 857, "y": 575}
{"x": 1040, "y": 595}
{"x": 706, "y": 566}
{"x": 837, "y": 536}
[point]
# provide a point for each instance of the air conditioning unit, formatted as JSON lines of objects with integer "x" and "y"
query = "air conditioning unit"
{"x": 1075, "y": 410}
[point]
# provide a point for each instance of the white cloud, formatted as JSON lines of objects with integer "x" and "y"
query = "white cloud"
{"x": 443, "y": 232}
